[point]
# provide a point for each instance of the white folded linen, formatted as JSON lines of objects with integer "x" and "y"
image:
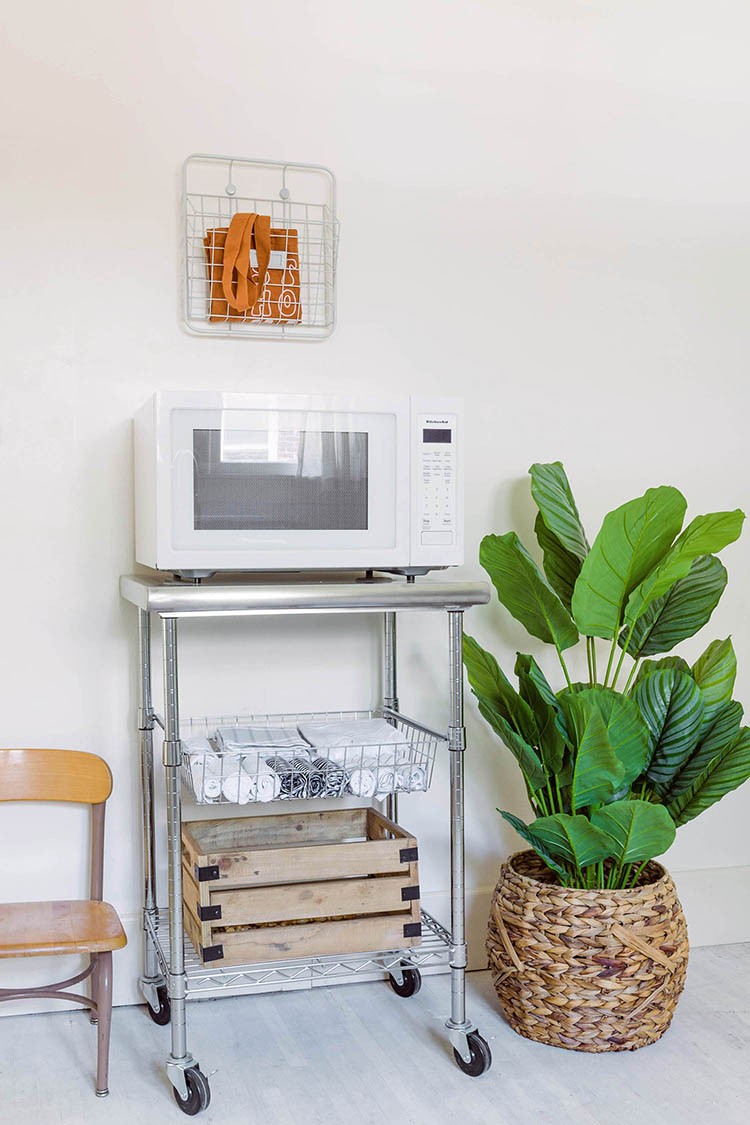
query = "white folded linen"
{"x": 412, "y": 779}
{"x": 260, "y": 735}
{"x": 205, "y": 769}
{"x": 350, "y": 741}
{"x": 362, "y": 783}
{"x": 238, "y": 787}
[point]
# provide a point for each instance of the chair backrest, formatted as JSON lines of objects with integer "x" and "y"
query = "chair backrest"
{"x": 54, "y": 775}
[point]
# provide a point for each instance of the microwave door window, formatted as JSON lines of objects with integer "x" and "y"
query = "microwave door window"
{"x": 280, "y": 480}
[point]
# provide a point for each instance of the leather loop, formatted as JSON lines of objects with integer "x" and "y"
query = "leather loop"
{"x": 247, "y": 231}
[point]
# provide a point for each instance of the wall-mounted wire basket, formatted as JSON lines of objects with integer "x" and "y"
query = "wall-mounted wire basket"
{"x": 222, "y": 763}
{"x": 299, "y": 298}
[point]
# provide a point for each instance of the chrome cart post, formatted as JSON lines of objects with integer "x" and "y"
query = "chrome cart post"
{"x": 470, "y": 1049}
{"x": 152, "y": 981}
{"x": 190, "y": 1085}
{"x": 390, "y": 691}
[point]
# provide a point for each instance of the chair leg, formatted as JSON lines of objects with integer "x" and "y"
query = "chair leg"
{"x": 104, "y": 997}
{"x": 94, "y": 1009}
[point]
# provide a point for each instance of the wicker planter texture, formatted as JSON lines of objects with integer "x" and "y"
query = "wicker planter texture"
{"x": 589, "y": 970}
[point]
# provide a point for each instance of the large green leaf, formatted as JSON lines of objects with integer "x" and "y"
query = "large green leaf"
{"x": 525, "y": 592}
{"x": 715, "y": 672}
{"x": 705, "y": 535}
{"x": 635, "y": 830}
{"x": 525, "y": 754}
{"x": 489, "y": 683}
{"x": 597, "y": 771}
{"x": 632, "y": 540}
{"x": 551, "y": 490}
{"x": 680, "y": 613}
{"x": 649, "y": 666}
{"x": 561, "y": 568}
{"x": 627, "y": 732}
{"x": 550, "y": 720}
{"x": 571, "y": 838}
{"x": 672, "y": 705}
{"x": 717, "y": 737}
{"x": 538, "y": 845}
{"x": 725, "y": 772}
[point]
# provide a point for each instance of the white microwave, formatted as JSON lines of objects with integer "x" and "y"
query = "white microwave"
{"x": 260, "y": 482}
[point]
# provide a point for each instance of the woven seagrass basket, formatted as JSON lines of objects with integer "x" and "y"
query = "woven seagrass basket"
{"x": 589, "y": 970}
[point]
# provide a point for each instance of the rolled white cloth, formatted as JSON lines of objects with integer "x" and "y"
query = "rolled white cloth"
{"x": 247, "y": 777}
{"x": 205, "y": 769}
{"x": 386, "y": 781}
{"x": 238, "y": 787}
{"x": 362, "y": 783}
{"x": 267, "y": 782}
{"x": 412, "y": 779}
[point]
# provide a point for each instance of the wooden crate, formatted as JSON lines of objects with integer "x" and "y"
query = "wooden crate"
{"x": 300, "y": 885}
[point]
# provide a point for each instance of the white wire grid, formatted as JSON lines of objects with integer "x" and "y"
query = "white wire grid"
{"x": 297, "y": 197}
{"x": 260, "y": 775}
{"x": 432, "y": 953}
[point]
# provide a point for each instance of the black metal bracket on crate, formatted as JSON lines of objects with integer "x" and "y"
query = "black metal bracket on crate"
{"x": 209, "y": 913}
{"x": 212, "y": 952}
{"x": 409, "y": 894}
{"x": 206, "y": 874}
{"x": 408, "y": 855}
{"x": 413, "y": 929}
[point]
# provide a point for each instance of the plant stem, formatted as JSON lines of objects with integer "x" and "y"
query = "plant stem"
{"x": 564, "y": 667}
{"x": 625, "y": 648}
{"x": 588, "y": 661}
{"x": 630, "y": 677}
{"x": 611, "y": 655}
{"x": 593, "y": 657}
{"x": 637, "y": 875}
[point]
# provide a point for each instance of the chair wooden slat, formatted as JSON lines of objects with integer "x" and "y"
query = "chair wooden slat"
{"x": 54, "y": 775}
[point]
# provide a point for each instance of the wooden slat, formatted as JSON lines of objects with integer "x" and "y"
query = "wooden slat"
{"x": 54, "y": 775}
{"x": 204, "y": 837}
{"x": 275, "y": 943}
{"x": 296, "y": 865}
{"x": 312, "y": 900}
{"x": 38, "y": 929}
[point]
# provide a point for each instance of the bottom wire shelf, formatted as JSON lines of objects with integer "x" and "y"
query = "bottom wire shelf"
{"x": 203, "y": 981}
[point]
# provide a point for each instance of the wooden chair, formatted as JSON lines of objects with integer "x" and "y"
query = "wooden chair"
{"x": 88, "y": 926}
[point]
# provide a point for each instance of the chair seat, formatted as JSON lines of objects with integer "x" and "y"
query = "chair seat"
{"x": 38, "y": 929}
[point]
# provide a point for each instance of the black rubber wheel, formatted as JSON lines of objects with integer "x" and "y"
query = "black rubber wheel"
{"x": 411, "y": 984}
{"x": 199, "y": 1092}
{"x": 481, "y": 1058}
{"x": 164, "y": 1013}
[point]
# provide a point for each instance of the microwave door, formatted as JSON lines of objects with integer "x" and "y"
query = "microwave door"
{"x": 289, "y": 489}
{"x": 290, "y": 480}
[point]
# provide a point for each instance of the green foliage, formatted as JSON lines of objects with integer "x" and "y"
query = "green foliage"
{"x": 610, "y": 773}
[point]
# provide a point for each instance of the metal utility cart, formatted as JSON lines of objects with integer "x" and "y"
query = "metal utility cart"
{"x": 172, "y": 971}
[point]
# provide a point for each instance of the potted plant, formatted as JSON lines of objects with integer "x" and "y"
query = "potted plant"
{"x": 587, "y": 937}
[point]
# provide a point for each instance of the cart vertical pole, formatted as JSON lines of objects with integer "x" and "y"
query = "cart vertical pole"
{"x": 179, "y": 1060}
{"x": 456, "y": 747}
{"x": 390, "y": 690}
{"x": 151, "y": 974}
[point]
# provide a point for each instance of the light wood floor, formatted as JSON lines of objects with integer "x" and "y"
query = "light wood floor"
{"x": 358, "y": 1054}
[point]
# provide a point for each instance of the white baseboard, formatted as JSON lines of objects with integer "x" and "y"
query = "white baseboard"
{"x": 716, "y": 902}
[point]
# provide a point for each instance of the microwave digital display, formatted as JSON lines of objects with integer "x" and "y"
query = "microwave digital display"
{"x": 281, "y": 480}
{"x": 442, "y": 437}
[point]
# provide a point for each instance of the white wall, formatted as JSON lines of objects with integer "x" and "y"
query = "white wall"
{"x": 544, "y": 207}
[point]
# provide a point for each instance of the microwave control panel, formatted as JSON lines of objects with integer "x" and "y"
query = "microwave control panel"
{"x": 437, "y": 452}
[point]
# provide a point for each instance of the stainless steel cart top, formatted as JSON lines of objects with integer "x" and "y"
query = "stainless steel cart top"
{"x": 292, "y": 593}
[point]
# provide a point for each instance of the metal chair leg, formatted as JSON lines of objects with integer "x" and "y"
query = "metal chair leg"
{"x": 104, "y": 994}
{"x": 94, "y": 1009}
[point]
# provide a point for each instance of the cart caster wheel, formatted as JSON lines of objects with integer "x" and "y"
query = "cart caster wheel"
{"x": 411, "y": 983}
{"x": 481, "y": 1058}
{"x": 164, "y": 1013}
{"x": 199, "y": 1092}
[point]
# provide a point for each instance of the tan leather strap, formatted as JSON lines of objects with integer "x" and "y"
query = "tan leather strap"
{"x": 245, "y": 228}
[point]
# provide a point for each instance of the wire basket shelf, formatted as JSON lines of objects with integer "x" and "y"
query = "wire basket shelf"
{"x": 300, "y": 200}
{"x": 225, "y": 761}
